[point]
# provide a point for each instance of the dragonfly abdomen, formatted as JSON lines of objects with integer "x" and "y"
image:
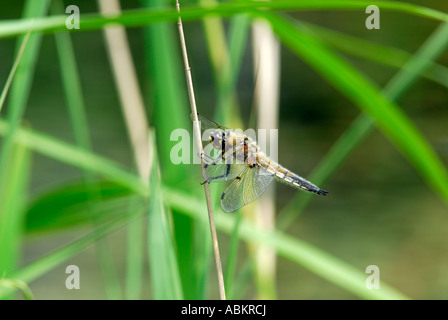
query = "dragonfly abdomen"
{"x": 284, "y": 175}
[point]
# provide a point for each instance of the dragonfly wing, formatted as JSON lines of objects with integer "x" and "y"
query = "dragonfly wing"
{"x": 207, "y": 123}
{"x": 223, "y": 171}
{"x": 245, "y": 188}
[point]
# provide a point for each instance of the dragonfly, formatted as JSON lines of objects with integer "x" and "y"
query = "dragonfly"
{"x": 240, "y": 160}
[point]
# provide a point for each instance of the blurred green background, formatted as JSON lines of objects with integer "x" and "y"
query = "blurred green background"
{"x": 379, "y": 211}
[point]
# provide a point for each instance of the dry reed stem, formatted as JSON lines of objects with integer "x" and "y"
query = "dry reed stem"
{"x": 197, "y": 134}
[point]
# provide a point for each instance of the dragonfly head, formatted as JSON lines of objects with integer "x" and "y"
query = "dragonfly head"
{"x": 217, "y": 139}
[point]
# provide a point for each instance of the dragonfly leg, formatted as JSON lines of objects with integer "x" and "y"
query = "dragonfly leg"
{"x": 208, "y": 158}
{"x": 226, "y": 174}
{"x": 211, "y": 161}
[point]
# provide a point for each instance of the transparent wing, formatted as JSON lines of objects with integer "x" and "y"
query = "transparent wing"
{"x": 223, "y": 171}
{"x": 206, "y": 123}
{"x": 245, "y": 188}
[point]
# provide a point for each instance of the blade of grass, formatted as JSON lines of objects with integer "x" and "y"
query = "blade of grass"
{"x": 311, "y": 258}
{"x": 13, "y": 71}
{"x": 23, "y": 78}
{"x": 14, "y": 160}
{"x": 72, "y": 86}
{"x": 20, "y": 88}
{"x": 72, "y": 205}
{"x": 12, "y": 200}
{"x": 17, "y": 284}
{"x": 134, "y": 18}
{"x": 11, "y": 194}
{"x": 164, "y": 269}
{"x": 376, "y": 52}
{"x": 362, "y": 125}
{"x": 164, "y": 70}
{"x": 433, "y": 47}
{"x": 388, "y": 117}
{"x": 75, "y": 156}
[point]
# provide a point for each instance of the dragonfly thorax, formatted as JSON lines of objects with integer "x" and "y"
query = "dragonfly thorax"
{"x": 217, "y": 139}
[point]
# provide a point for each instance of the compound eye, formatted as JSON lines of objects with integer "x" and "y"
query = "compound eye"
{"x": 211, "y": 139}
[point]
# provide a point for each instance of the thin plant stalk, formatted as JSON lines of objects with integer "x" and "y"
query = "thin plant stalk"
{"x": 13, "y": 70}
{"x": 197, "y": 134}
